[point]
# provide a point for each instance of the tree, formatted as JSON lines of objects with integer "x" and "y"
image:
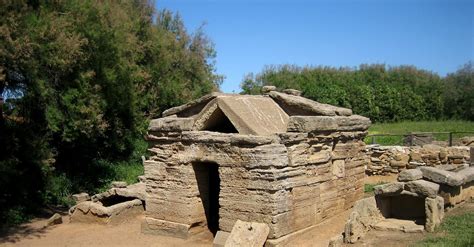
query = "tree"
{"x": 80, "y": 79}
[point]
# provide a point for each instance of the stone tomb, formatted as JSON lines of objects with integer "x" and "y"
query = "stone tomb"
{"x": 277, "y": 158}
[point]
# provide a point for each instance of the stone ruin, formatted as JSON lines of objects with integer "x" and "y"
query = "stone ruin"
{"x": 277, "y": 158}
{"x": 394, "y": 159}
{"x": 415, "y": 203}
{"x": 113, "y": 206}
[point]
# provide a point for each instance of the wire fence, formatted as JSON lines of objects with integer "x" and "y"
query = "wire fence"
{"x": 419, "y": 138}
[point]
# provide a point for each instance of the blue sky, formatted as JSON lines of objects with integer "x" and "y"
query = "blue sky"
{"x": 430, "y": 34}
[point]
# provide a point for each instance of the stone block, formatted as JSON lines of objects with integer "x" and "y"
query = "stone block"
{"x": 311, "y": 123}
{"x": 292, "y": 92}
{"x": 440, "y": 176}
{"x": 171, "y": 124}
{"x": 434, "y": 210}
{"x": 410, "y": 175}
{"x": 54, "y": 220}
{"x": 165, "y": 228}
{"x": 422, "y": 188}
{"x": 81, "y": 197}
{"x": 220, "y": 239}
{"x": 249, "y": 234}
{"x": 389, "y": 189}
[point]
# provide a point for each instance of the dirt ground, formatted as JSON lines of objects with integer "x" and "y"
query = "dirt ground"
{"x": 391, "y": 177}
{"x": 128, "y": 234}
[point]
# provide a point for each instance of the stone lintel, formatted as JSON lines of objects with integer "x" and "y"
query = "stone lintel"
{"x": 171, "y": 124}
{"x": 327, "y": 123}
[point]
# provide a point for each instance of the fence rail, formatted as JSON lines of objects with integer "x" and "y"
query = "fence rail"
{"x": 412, "y": 138}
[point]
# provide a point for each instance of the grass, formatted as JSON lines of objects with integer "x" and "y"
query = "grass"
{"x": 369, "y": 188}
{"x": 421, "y": 126}
{"x": 454, "y": 231}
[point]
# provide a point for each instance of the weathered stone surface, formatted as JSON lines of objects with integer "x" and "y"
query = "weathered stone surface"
{"x": 81, "y": 197}
{"x": 394, "y": 159}
{"x": 471, "y": 150}
{"x": 397, "y": 164}
{"x": 191, "y": 108}
{"x": 296, "y": 105}
{"x": 363, "y": 216}
{"x": 336, "y": 241}
{"x": 410, "y": 175}
{"x": 54, "y": 220}
{"x": 325, "y": 123}
{"x": 119, "y": 184}
{"x": 255, "y": 115}
{"x": 441, "y": 176}
{"x": 171, "y": 124}
{"x": 434, "y": 209}
{"x": 312, "y": 123}
{"x": 467, "y": 174}
{"x": 423, "y": 188}
{"x": 389, "y": 189}
{"x": 249, "y": 234}
{"x": 398, "y": 225}
{"x": 267, "y": 89}
{"x": 136, "y": 190}
{"x": 292, "y": 92}
{"x": 166, "y": 228}
{"x": 353, "y": 123}
{"x": 220, "y": 239}
{"x": 289, "y": 181}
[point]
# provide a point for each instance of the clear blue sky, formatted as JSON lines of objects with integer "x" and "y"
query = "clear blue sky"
{"x": 430, "y": 34}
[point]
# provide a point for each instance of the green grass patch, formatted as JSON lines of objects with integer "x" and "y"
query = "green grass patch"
{"x": 369, "y": 188}
{"x": 402, "y": 128}
{"x": 454, "y": 231}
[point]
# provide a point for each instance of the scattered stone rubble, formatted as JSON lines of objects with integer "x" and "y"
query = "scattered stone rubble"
{"x": 393, "y": 159}
{"x": 114, "y": 206}
{"x": 54, "y": 220}
{"x": 278, "y": 159}
{"x": 416, "y": 202}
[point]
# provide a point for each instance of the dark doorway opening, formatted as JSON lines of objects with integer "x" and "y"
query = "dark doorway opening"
{"x": 208, "y": 181}
{"x": 404, "y": 207}
{"x": 218, "y": 122}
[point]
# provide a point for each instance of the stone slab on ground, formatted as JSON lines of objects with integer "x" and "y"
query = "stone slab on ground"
{"x": 220, "y": 239}
{"x": 249, "y": 234}
{"x": 398, "y": 225}
{"x": 54, "y": 220}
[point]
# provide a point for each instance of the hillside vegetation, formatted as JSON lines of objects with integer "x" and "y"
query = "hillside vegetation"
{"x": 80, "y": 78}
{"x": 380, "y": 92}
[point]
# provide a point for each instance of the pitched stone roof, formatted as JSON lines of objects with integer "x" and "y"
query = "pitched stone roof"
{"x": 273, "y": 112}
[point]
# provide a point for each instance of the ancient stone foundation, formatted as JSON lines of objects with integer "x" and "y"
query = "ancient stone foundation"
{"x": 416, "y": 202}
{"x": 393, "y": 159}
{"x": 278, "y": 159}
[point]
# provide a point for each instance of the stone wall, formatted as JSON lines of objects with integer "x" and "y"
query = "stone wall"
{"x": 290, "y": 181}
{"x": 393, "y": 159}
{"x": 415, "y": 202}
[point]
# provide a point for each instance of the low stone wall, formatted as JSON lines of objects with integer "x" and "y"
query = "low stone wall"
{"x": 416, "y": 201}
{"x": 393, "y": 159}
